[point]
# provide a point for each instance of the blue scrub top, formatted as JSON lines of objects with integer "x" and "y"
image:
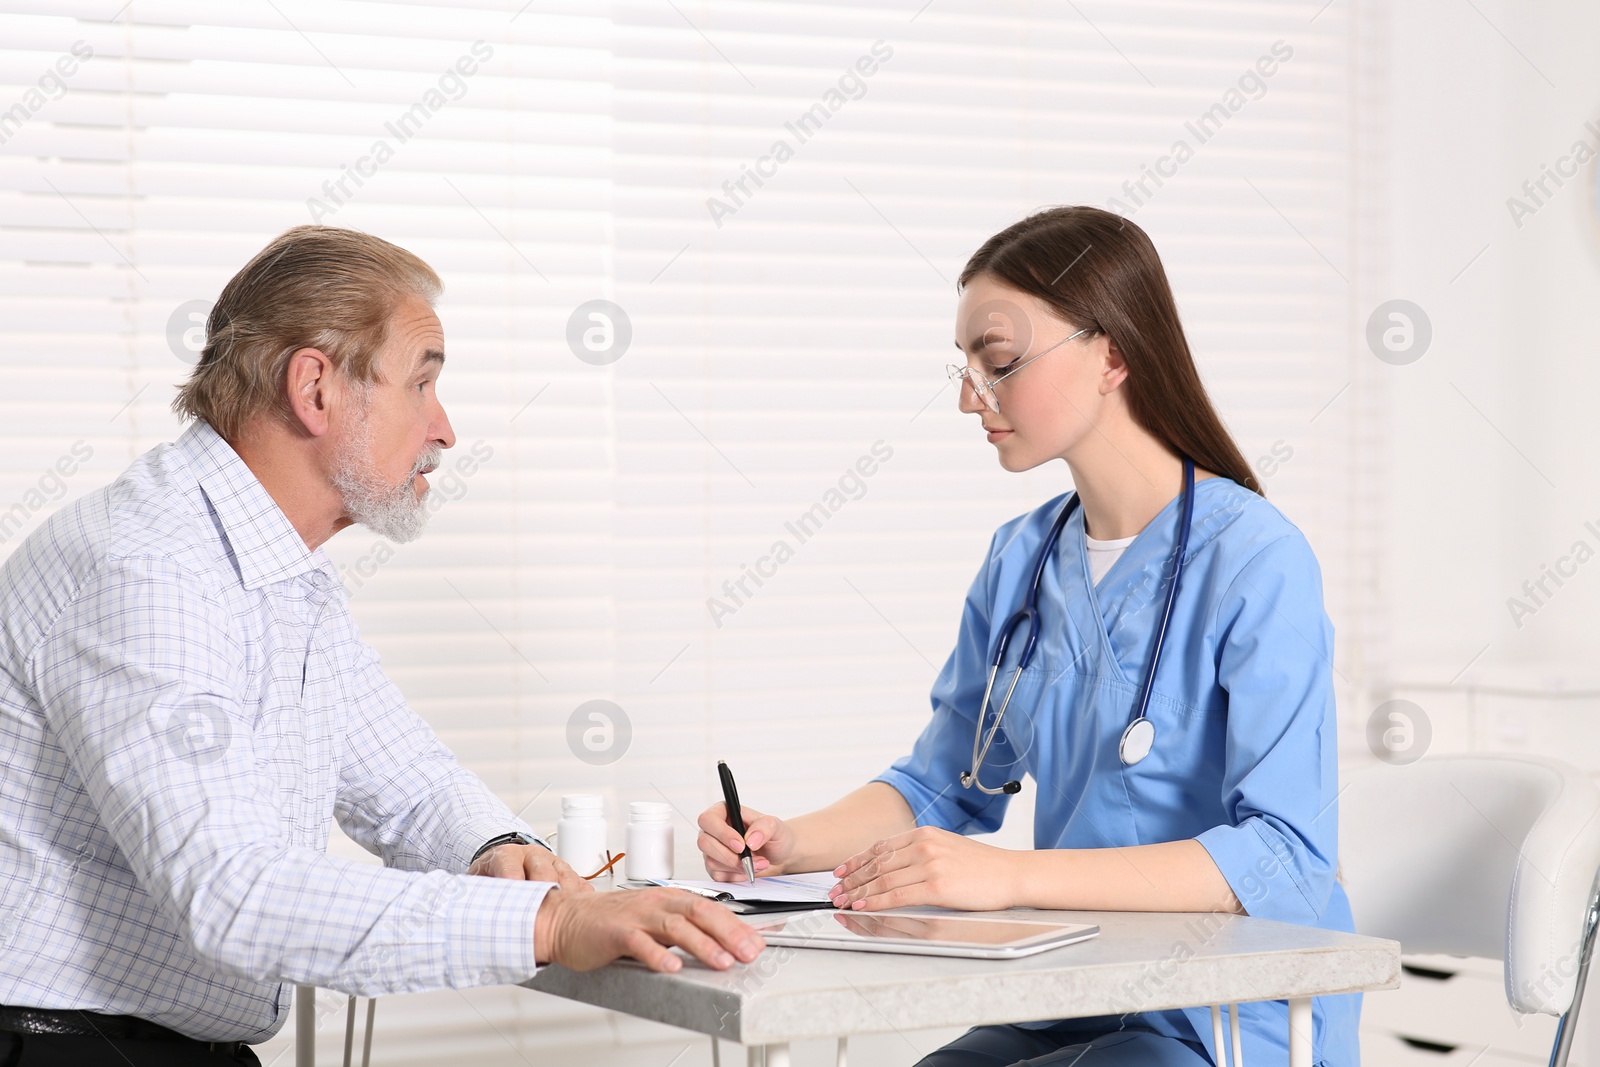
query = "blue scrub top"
{"x": 1245, "y": 756}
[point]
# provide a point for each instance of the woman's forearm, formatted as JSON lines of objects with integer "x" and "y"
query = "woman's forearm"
{"x": 1171, "y": 876}
{"x": 827, "y": 837}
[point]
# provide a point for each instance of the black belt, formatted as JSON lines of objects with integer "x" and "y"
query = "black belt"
{"x": 74, "y": 1023}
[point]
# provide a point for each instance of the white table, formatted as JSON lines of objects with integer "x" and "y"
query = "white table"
{"x": 1140, "y": 962}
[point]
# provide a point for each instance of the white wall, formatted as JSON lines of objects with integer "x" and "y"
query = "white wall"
{"x": 1491, "y": 469}
{"x": 1481, "y": 498}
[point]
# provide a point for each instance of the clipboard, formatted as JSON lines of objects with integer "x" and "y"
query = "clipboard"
{"x": 795, "y": 892}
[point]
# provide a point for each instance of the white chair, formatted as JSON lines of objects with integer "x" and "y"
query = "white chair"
{"x": 1491, "y": 856}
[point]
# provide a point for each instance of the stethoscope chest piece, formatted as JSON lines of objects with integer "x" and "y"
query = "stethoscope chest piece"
{"x": 1137, "y": 741}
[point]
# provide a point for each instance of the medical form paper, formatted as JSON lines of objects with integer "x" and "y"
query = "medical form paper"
{"x": 783, "y": 892}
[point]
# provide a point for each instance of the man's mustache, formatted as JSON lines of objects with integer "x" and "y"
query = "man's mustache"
{"x": 431, "y": 456}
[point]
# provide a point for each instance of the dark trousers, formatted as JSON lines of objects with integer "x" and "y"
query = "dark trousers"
{"x": 1015, "y": 1046}
{"x": 70, "y": 1050}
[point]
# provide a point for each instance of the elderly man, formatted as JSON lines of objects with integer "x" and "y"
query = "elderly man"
{"x": 185, "y": 703}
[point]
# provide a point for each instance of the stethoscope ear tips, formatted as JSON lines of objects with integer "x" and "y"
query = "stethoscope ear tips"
{"x": 968, "y": 779}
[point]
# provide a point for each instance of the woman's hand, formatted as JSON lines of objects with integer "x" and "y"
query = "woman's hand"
{"x": 771, "y": 843}
{"x": 928, "y": 866}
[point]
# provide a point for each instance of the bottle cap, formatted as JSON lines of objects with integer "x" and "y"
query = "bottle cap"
{"x": 582, "y": 804}
{"x": 649, "y": 811}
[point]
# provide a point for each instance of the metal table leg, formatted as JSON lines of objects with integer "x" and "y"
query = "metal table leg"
{"x": 305, "y": 1026}
{"x": 1300, "y": 1032}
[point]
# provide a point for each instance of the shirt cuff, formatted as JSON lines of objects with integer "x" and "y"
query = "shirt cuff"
{"x": 490, "y": 930}
{"x": 1260, "y": 872}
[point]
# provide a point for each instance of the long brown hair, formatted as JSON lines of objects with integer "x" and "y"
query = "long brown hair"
{"x": 1099, "y": 270}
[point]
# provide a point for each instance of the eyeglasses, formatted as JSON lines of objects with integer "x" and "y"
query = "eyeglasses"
{"x": 983, "y": 388}
{"x": 611, "y": 861}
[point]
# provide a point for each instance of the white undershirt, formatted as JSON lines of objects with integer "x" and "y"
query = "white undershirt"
{"x": 1102, "y": 554}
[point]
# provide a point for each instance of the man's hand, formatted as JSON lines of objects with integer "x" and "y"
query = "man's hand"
{"x": 588, "y": 931}
{"x": 532, "y": 863}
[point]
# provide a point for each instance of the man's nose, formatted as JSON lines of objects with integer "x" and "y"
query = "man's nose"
{"x": 440, "y": 430}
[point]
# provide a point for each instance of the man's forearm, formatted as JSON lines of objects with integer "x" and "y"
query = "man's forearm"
{"x": 450, "y": 815}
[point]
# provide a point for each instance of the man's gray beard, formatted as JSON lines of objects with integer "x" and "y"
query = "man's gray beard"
{"x": 392, "y": 511}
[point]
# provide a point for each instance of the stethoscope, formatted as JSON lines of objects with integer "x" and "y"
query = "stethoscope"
{"x": 1140, "y": 734}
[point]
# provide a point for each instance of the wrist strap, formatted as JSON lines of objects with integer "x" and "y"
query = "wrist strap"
{"x": 515, "y": 836}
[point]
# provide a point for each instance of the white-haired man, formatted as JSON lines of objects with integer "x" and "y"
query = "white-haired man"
{"x": 185, "y": 704}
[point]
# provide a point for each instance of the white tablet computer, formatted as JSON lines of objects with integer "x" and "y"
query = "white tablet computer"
{"x": 922, "y": 935}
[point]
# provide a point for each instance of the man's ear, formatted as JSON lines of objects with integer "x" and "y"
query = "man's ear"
{"x": 1115, "y": 371}
{"x": 310, "y": 383}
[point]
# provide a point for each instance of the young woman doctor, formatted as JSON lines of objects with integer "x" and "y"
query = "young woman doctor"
{"x": 1175, "y": 709}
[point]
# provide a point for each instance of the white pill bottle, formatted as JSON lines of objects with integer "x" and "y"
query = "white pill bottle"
{"x": 581, "y": 833}
{"x": 649, "y": 840}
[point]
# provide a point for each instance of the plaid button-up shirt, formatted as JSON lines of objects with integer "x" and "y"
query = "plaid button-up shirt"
{"x": 185, "y": 704}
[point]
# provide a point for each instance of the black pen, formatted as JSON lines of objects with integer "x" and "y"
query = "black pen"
{"x": 730, "y": 800}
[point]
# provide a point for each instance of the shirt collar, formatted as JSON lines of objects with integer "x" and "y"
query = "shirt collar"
{"x": 266, "y": 546}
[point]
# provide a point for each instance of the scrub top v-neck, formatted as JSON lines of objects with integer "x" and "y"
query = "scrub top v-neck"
{"x": 1103, "y": 555}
